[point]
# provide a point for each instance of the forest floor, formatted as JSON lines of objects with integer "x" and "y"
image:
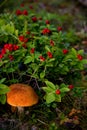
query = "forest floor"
{"x": 42, "y": 117}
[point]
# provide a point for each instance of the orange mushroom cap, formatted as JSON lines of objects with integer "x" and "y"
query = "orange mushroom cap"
{"x": 21, "y": 95}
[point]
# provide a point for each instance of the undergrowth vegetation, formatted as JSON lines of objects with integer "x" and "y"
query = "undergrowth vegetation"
{"x": 36, "y": 49}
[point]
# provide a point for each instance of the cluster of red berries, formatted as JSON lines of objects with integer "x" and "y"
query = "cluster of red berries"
{"x": 19, "y": 12}
{"x": 8, "y": 47}
{"x": 46, "y": 31}
{"x": 23, "y": 39}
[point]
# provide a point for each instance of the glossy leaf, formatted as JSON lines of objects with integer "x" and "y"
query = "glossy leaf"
{"x": 50, "y": 84}
{"x": 50, "y": 98}
{"x": 28, "y": 59}
{"x": 4, "y": 89}
{"x": 3, "y": 98}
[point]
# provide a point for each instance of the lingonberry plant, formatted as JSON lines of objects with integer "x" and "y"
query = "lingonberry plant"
{"x": 33, "y": 48}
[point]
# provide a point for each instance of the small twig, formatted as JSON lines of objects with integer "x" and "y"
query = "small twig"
{"x": 37, "y": 84}
{"x": 42, "y": 122}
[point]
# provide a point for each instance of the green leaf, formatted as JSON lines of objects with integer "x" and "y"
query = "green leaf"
{"x": 50, "y": 84}
{"x": 81, "y": 52}
{"x": 3, "y": 98}
{"x": 65, "y": 89}
{"x": 2, "y": 80}
{"x": 2, "y": 22}
{"x": 84, "y": 61}
{"x": 62, "y": 85}
{"x": 10, "y": 70}
{"x": 50, "y": 98}
{"x": 28, "y": 59}
{"x": 13, "y": 81}
{"x": 52, "y": 59}
{"x": 42, "y": 74}
{"x": 9, "y": 28}
{"x": 49, "y": 64}
{"x": 65, "y": 68}
{"x": 2, "y": 62}
{"x": 35, "y": 76}
{"x": 73, "y": 51}
{"x": 29, "y": 70}
{"x": 16, "y": 33}
{"x": 47, "y": 89}
{"x": 34, "y": 66}
{"x": 4, "y": 89}
{"x": 37, "y": 54}
{"x": 58, "y": 98}
{"x": 47, "y": 48}
{"x": 68, "y": 58}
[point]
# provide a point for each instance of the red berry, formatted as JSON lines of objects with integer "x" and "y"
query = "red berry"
{"x": 1, "y": 56}
{"x": 49, "y": 54}
{"x": 18, "y": 12}
{"x": 58, "y": 92}
{"x": 25, "y": 12}
{"x": 21, "y": 38}
{"x": 70, "y": 86}
{"x": 28, "y": 32}
{"x": 59, "y": 28}
{"x": 65, "y": 51}
{"x": 47, "y": 22}
{"x": 15, "y": 47}
{"x": 25, "y": 40}
{"x": 11, "y": 57}
{"x": 34, "y": 19}
{"x": 42, "y": 58}
{"x": 32, "y": 50}
{"x": 51, "y": 42}
{"x": 46, "y": 31}
{"x": 79, "y": 57}
{"x": 31, "y": 7}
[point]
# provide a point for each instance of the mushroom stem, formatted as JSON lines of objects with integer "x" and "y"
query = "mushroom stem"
{"x": 20, "y": 112}
{"x": 20, "y": 109}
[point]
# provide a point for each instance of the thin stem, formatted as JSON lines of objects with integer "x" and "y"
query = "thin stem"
{"x": 37, "y": 84}
{"x": 33, "y": 74}
{"x": 42, "y": 122}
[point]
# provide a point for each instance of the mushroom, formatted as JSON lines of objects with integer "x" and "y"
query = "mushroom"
{"x": 21, "y": 95}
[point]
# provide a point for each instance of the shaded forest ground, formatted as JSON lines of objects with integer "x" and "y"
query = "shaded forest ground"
{"x": 40, "y": 117}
